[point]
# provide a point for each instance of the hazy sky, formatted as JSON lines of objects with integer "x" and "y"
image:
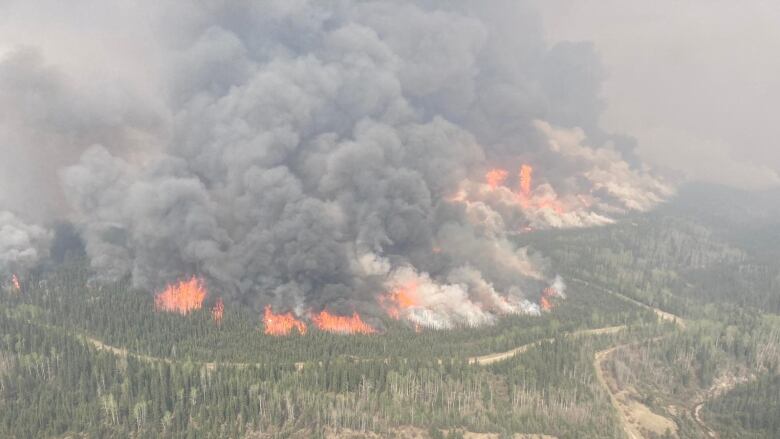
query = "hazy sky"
{"x": 696, "y": 82}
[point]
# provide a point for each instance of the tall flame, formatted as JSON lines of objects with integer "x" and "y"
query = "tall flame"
{"x": 496, "y": 177}
{"x": 182, "y": 297}
{"x": 400, "y": 299}
{"x": 15, "y": 283}
{"x": 281, "y": 324}
{"x": 526, "y": 180}
{"x": 546, "y": 303}
{"x": 217, "y": 311}
{"x": 326, "y": 321}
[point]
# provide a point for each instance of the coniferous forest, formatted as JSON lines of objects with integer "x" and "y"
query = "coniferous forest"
{"x": 652, "y": 338}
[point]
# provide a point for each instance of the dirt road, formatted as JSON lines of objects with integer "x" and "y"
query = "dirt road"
{"x": 483, "y": 360}
{"x": 634, "y": 416}
{"x": 679, "y": 321}
{"x": 632, "y": 413}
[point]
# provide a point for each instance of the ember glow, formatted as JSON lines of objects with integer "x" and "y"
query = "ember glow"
{"x": 15, "y": 283}
{"x": 399, "y": 300}
{"x": 217, "y": 311}
{"x": 281, "y": 324}
{"x": 546, "y": 302}
{"x": 328, "y": 322}
{"x": 496, "y": 177}
{"x": 497, "y": 200}
{"x": 526, "y": 180}
{"x": 182, "y": 297}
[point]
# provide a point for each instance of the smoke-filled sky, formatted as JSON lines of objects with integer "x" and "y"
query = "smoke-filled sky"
{"x": 313, "y": 155}
{"x": 696, "y": 83}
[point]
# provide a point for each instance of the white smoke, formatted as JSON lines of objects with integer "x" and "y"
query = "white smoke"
{"x": 463, "y": 297}
{"x": 600, "y": 186}
{"x": 21, "y": 245}
{"x": 559, "y": 286}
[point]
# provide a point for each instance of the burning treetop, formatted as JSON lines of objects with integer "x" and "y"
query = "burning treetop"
{"x": 325, "y": 321}
{"x": 281, "y": 324}
{"x": 182, "y": 297}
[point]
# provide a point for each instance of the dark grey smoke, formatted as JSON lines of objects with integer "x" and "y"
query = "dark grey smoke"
{"x": 311, "y": 150}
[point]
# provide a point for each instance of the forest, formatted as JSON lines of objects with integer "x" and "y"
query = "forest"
{"x": 651, "y": 339}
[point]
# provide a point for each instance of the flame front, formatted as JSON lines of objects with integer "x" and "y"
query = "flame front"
{"x": 182, "y": 297}
{"x": 496, "y": 177}
{"x": 541, "y": 205}
{"x": 399, "y": 300}
{"x": 526, "y": 180}
{"x": 217, "y": 311}
{"x": 281, "y": 324}
{"x": 326, "y": 321}
{"x": 15, "y": 283}
{"x": 546, "y": 303}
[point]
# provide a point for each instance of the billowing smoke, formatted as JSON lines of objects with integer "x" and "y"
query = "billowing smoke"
{"x": 49, "y": 119}
{"x": 21, "y": 245}
{"x": 329, "y": 154}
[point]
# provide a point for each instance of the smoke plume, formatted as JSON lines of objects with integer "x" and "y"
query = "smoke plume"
{"x": 327, "y": 155}
{"x": 21, "y": 245}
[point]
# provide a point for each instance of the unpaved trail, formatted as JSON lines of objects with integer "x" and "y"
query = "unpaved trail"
{"x": 669, "y": 317}
{"x": 483, "y": 360}
{"x": 598, "y": 364}
{"x": 697, "y": 417}
{"x": 627, "y": 408}
{"x": 123, "y": 352}
{"x": 721, "y": 386}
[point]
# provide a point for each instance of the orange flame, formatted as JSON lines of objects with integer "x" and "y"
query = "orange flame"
{"x": 326, "y": 321}
{"x": 496, "y": 177}
{"x": 545, "y": 302}
{"x": 281, "y": 324}
{"x": 217, "y": 311}
{"x": 15, "y": 283}
{"x": 526, "y": 180}
{"x": 550, "y": 203}
{"x": 182, "y": 297}
{"x": 399, "y": 299}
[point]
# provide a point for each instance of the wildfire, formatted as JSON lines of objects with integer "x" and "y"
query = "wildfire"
{"x": 526, "y": 180}
{"x": 217, "y": 311}
{"x": 546, "y": 302}
{"x": 281, "y": 324}
{"x": 15, "y": 283}
{"x": 399, "y": 299}
{"x": 326, "y": 321}
{"x": 550, "y": 203}
{"x": 182, "y": 297}
{"x": 526, "y": 197}
{"x": 496, "y": 177}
